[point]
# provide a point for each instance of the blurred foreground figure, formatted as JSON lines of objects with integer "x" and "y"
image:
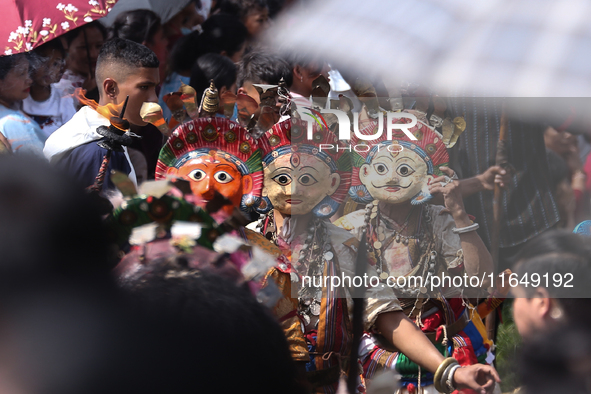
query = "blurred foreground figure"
{"x": 558, "y": 362}
{"x": 66, "y": 329}
{"x": 65, "y": 337}
{"x": 223, "y": 320}
{"x": 48, "y": 225}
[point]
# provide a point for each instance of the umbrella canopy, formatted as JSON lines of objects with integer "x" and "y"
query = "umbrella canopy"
{"x": 165, "y": 9}
{"x": 533, "y": 48}
{"x": 30, "y": 23}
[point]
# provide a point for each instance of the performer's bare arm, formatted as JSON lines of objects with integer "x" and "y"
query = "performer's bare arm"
{"x": 411, "y": 341}
{"x": 477, "y": 259}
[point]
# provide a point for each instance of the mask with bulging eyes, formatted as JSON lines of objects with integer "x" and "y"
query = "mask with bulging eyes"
{"x": 395, "y": 177}
{"x": 295, "y": 185}
{"x": 213, "y": 173}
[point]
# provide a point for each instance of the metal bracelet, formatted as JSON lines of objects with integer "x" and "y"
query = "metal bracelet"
{"x": 443, "y": 378}
{"x": 438, "y": 382}
{"x": 467, "y": 229}
{"x": 450, "y": 378}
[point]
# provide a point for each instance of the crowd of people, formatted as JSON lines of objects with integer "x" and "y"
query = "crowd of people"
{"x": 177, "y": 203}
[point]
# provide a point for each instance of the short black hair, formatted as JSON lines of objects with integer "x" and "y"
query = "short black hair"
{"x": 120, "y": 58}
{"x": 558, "y": 252}
{"x": 55, "y": 45}
{"x": 39, "y": 55}
{"x": 8, "y": 62}
{"x": 212, "y": 66}
{"x": 221, "y": 33}
{"x": 136, "y": 25}
{"x": 128, "y": 53}
{"x": 72, "y": 34}
{"x": 263, "y": 67}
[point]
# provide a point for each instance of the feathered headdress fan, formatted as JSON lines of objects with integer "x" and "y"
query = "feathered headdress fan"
{"x": 201, "y": 136}
{"x": 288, "y": 137}
{"x": 429, "y": 146}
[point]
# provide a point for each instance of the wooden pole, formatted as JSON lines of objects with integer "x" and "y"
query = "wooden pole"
{"x": 501, "y": 159}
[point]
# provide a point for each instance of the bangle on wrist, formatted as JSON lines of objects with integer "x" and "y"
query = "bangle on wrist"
{"x": 450, "y": 378}
{"x": 438, "y": 382}
{"x": 467, "y": 229}
{"x": 445, "y": 377}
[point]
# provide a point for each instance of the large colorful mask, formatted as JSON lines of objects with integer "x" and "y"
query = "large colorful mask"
{"x": 398, "y": 170}
{"x": 300, "y": 175}
{"x": 216, "y": 155}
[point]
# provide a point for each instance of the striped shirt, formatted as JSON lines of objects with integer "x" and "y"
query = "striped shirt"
{"x": 528, "y": 207}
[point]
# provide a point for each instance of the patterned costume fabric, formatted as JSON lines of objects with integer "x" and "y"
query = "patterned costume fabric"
{"x": 328, "y": 341}
{"x": 286, "y": 308}
{"x": 469, "y": 344}
{"x": 208, "y": 136}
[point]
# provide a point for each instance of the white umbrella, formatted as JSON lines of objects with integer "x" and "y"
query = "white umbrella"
{"x": 521, "y": 48}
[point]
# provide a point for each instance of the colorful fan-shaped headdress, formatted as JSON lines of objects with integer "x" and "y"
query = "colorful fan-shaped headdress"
{"x": 201, "y": 136}
{"x": 429, "y": 146}
{"x": 289, "y": 136}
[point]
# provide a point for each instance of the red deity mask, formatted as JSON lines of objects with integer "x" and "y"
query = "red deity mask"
{"x": 215, "y": 155}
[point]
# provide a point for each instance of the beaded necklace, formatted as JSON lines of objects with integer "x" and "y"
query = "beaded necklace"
{"x": 425, "y": 268}
{"x": 316, "y": 251}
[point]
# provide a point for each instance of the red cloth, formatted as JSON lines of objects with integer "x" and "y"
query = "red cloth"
{"x": 587, "y": 169}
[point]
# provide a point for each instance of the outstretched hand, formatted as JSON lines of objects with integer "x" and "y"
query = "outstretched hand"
{"x": 494, "y": 175}
{"x": 478, "y": 377}
{"x": 450, "y": 190}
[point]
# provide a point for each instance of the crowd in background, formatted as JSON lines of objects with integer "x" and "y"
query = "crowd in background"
{"x": 204, "y": 333}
